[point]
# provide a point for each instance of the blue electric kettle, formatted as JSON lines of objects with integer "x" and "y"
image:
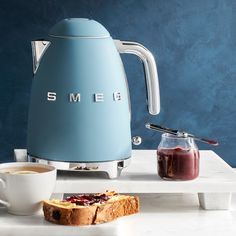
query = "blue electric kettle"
{"x": 79, "y": 115}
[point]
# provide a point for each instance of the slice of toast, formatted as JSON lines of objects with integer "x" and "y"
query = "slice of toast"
{"x": 90, "y": 209}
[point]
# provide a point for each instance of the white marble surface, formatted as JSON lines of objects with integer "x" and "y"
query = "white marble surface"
{"x": 161, "y": 214}
{"x": 141, "y": 177}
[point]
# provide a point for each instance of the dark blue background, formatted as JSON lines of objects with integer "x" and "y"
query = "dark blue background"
{"x": 194, "y": 43}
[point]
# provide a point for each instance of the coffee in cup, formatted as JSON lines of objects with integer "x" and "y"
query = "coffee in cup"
{"x": 24, "y": 170}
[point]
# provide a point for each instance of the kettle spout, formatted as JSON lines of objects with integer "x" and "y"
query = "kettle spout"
{"x": 39, "y": 47}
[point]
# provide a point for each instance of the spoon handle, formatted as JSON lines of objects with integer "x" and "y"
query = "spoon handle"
{"x": 204, "y": 140}
{"x": 179, "y": 133}
{"x": 161, "y": 129}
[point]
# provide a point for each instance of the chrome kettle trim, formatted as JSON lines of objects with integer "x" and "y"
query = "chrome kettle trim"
{"x": 39, "y": 47}
{"x": 150, "y": 69}
{"x": 112, "y": 168}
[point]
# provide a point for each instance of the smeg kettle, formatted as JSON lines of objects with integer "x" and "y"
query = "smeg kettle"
{"x": 79, "y": 114}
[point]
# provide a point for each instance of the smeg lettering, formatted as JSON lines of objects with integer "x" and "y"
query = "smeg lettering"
{"x": 76, "y": 97}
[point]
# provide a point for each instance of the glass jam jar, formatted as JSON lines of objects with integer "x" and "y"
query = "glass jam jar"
{"x": 178, "y": 158}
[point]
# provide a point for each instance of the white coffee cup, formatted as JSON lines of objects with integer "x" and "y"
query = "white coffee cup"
{"x": 22, "y": 191}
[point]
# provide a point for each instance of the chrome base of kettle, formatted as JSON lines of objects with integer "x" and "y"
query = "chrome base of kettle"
{"x": 112, "y": 168}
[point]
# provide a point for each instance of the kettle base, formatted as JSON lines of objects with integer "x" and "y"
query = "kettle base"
{"x": 112, "y": 168}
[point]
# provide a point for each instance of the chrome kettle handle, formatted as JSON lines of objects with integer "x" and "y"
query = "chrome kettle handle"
{"x": 150, "y": 70}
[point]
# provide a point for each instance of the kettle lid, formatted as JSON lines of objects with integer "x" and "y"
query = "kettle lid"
{"x": 78, "y": 27}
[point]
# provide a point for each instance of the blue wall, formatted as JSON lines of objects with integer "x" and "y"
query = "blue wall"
{"x": 194, "y": 43}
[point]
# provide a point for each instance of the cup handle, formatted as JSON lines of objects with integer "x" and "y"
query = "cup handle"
{"x": 3, "y": 183}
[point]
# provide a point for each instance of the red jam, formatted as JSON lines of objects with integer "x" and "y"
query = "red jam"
{"x": 178, "y": 163}
{"x": 87, "y": 199}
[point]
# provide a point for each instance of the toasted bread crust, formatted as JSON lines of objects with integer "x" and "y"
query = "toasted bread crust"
{"x": 113, "y": 210}
{"x": 93, "y": 214}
